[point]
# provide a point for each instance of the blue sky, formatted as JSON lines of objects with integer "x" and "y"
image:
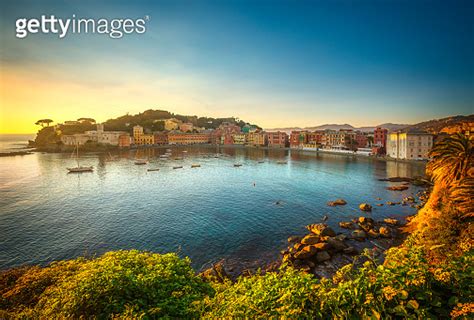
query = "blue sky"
{"x": 275, "y": 63}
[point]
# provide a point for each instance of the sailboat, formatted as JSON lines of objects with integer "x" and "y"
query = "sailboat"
{"x": 79, "y": 168}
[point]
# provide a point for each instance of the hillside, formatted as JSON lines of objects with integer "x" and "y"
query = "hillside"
{"x": 447, "y": 125}
{"x": 149, "y": 119}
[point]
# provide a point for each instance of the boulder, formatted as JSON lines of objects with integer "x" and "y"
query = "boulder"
{"x": 346, "y": 225}
{"x": 306, "y": 252}
{"x": 397, "y": 188}
{"x": 373, "y": 234}
{"x": 322, "y": 256}
{"x": 392, "y": 222}
{"x": 350, "y": 250}
{"x": 365, "y": 207}
{"x": 390, "y": 203}
{"x": 321, "y": 229}
{"x": 341, "y": 237}
{"x": 366, "y": 220}
{"x": 310, "y": 239}
{"x": 379, "y": 204}
{"x": 298, "y": 246}
{"x": 385, "y": 232}
{"x": 409, "y": 199}
{"x": 336, "y": 244}
{"x": 359, "y": 235}
{"x": 321, "y": 246}
{"x": 294, "y": 239}
{"x": 338, "y": 202}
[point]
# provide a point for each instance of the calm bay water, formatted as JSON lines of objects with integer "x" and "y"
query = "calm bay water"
{"x": 207, "y": 213}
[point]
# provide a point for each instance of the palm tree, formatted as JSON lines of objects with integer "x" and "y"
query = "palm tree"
{"x": 452, "y": 158}
{"x": 462, "y": 197}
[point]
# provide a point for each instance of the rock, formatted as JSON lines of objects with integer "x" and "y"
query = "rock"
{"x": 305, "y": 268}
{"x": 397, "y": 188}
{"x": 365, "y": 207}
{"x": 359, "y": 235}
{"x": 378, "y": 198}
{"x": 298, "y": 246}
{"x": 216, "y": 273}
{"x": 322, "y": 256}
{"x": 346, "y": 225}
{"x": 311, "y": 264}
{"x": 350, "y": 250}
{"x": 322, "y": 246}
{"x": 341, "y": 237}
{"x": 306, "y": 252}
{"x": 409, "y": 199}
{"x": 390, "y": 203}
{"x": 392, "y": 222}
{"x": 373, "y": 234}
{"x": 294, "y": 239}
{"x": 379, "y": 204}
{"x": 366, "y": 220}
{"x": 321, "y": 229}
{"x": 336, "y": 244}
{"x": 385, "y": 232}
{"x": 310, "y": 239}
{"x": 338, "y": 202}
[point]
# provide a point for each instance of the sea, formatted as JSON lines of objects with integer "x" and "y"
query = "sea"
{"x": 209, "y": 213}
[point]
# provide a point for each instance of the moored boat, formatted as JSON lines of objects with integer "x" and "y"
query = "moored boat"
{"x": 178, "y": 167}
{"x": 195, "y": 166}
{"x": 140, "y": 162}
{"x": 79, "y": 169}
{"x": 153, "y": 169}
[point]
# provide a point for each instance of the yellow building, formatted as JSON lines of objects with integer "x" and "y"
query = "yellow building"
{"x": 257, "y": 138}
{"x": 140, "y": 138}
{"x": 171, "y": 124}
{"x": 414, "y": 145}
{"x": 239, "y": 138}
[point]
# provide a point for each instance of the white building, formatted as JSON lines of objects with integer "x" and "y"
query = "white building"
{"x": 99, "y": 136}
{"x": 413, "y": 145}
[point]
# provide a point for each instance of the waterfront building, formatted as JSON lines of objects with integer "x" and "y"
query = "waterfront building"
{"x": 124, "y": 140}
{"x": 182, "y": 138}
{"x": 413, "y": 145}
{"x": 76, "y": 139}
{"x": 360, "y": 139}
{"x": 216, "y": 136}
{"x": 298, "y": 139}
{"x": 380, "y": 137}
{"x": 257, "y": 138}
{"x": 140, "y": 138}
{"x": 316, "y": 137}
{"x": 277, "y": 139}
{"x": 239, "y": 138}
{"x": 161, "y": 137}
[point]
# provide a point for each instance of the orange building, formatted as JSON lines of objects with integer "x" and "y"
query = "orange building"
{"x": 188, "y": 138}
{"x": 277, "y": 139}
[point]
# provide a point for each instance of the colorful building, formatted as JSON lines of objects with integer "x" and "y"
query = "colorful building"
{"x": 298, "y": 139}
{"x": 277, "y": 139}
{"x": 182, "y": 138}
{"x": 257, "y": 138}
{"x": 186, "y": 127}
{"x": 413, "y": 145}
{"x": 380, "y": 137}
{"x": 171, "y": 124}
{"x": 161, "y": 137}
{"x": 239, "y": 138}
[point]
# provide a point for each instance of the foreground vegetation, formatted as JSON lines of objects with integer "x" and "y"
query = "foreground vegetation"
{"x": 430, "y": 276}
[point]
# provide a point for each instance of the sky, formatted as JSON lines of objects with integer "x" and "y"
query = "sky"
{"x": 272, "y": 63}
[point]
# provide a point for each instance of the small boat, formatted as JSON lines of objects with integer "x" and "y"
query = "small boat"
{"x": 140, "y": 162}
{"x": 185, "y": 151}
{"x": 282, "y": 162}
{"x": 178, "y": 167}
{"x": 154, "y": 169}
{"x": 79, "y": 168}
{"x": 178, "y": 158}
{"x": 164, "y": 156}
{"x": 261, "y": 161}
{"x": 237, "y": 165}
{"x": 195, "y": 166}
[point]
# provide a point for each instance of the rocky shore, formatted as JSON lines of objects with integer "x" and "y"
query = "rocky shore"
{"x": 322, "y": 251}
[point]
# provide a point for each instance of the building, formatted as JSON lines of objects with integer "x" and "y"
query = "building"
{"x": 124, "y": 140}
{"x": 412, "y": 145}
{"x": 249, "y": 128}
{"x": 186, "y": 127}
{"x": 227, "y": 129}
{"x": 161, "y": 137}
{"x": 277, "y": 139}
{"x": 380, "y": 137}
{"x": 298, "y": 139}
{"x": 315, "y": 137}
{"x": 257, "y": 138}
{"x": 76, "y": 139}
{"x": 360, "y": 139}
{"x": 140, "y": 138}
{"x": 239, "y": 138}
{"x": 182, "y": 138}
{"x": 171, "y": 124}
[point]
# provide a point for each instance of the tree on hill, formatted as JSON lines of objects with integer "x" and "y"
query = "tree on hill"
{"x": 43, "y": 122}
{"x": 90, "y": 120}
